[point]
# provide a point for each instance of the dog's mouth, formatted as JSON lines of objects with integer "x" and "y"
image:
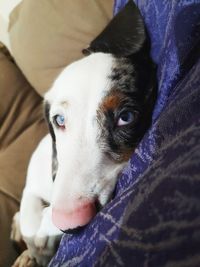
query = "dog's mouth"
{"x": 78, "y": 229}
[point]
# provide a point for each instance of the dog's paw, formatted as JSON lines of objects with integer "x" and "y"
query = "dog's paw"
{"x": 16, "y": 235}
{"x": 43, "y": 244}
{"x": 42, "y": 248}
{"x": 24, "y": 260}
{"x": 45, "y": 248}
{"x": 46, "y": 244}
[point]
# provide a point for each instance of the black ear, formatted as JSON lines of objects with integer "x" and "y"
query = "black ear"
{"x": 123, "y": 36}
{"x": 54, "y": 151}
{"x": 46, "y": 113}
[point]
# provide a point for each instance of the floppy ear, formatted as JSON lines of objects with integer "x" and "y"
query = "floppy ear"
{"x": 54, "y": 151}
{"x": 46, "y": 114}
{"x": 123, "y": 36}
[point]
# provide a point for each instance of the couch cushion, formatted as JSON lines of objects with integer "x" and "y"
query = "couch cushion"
{"x": 21, "y": 128}
{"x": 6, "y": 8}
{"x": 20, "y": 105}
{"x": 48, "y": 35}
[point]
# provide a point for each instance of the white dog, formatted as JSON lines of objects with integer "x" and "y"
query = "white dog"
{"x": 97, "y": 111}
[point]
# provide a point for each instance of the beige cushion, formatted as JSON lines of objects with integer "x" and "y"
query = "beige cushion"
{"x": 6, "y": 8}
{"x": 47, "y": 35}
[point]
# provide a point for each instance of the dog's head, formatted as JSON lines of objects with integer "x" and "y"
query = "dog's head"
{"x": 98, "y": 110}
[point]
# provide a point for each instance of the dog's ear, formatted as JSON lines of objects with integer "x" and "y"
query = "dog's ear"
{"x": 46, "y": 114}
{"x": 123, "y": 36}
{"x": 54, "y": 151}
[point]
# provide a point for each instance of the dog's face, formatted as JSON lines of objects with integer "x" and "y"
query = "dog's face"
{"x": 98, "y": 110}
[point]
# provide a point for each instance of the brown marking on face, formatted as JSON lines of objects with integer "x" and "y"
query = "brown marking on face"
{"x": 111, "y": 101}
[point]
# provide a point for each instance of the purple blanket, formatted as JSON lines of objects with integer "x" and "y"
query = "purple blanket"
{"x": 154, "y": 218}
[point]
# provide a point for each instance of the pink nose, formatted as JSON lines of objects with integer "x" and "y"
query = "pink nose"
{"x": 80, "y": 215}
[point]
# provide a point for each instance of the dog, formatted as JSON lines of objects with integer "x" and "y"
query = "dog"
{"x": 97, "y": 110}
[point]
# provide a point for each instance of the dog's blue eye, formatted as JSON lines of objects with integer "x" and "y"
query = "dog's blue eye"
{"x": 125, "y": 118}
{"x": 60, "y": 121}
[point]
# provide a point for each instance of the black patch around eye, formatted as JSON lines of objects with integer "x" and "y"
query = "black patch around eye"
{"x": 123, "y": 135}
{"x": 54, "y": 150}
{"x": 137, "y": 89}
{"x": 114, "y": 139}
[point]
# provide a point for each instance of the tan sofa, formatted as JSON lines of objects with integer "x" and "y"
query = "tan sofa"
{"x": 43, "y": 37}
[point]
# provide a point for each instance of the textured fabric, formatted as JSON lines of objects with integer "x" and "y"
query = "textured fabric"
{"x": 174, "y": 29}
{"x": 48, "y": 35}
{"x": 154, "y": 217}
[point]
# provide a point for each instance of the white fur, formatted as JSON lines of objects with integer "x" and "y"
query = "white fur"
{"x": 83, "y": 169}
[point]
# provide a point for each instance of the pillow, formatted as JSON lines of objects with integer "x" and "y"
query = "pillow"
{"x": 47, "y": 35}
{"x": 5, "y": 9}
